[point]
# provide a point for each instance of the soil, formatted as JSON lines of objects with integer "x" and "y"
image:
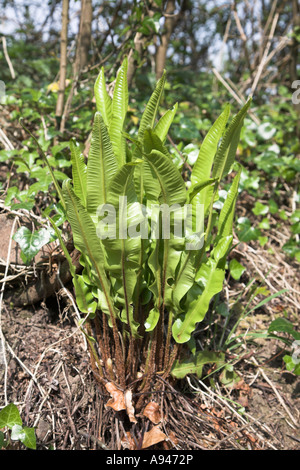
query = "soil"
{"x": 50, "y": 380}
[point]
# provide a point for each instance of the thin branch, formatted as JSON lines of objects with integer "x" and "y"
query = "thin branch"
{"x": 228, "y": 87}
{"x": 225, "y": 38}
{"x": 265, "y": 55}
{"x": 264, "y": 32}
{"x": 235, "y": 95}
{"x": 10, "y": 65}
{"x": 63, "y": 60}
{"x": 5, "y": 141}
{"x": 242, "y": 34}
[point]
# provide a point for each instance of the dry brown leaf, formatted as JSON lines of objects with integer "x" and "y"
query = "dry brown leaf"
{"x": 117, "y": 402}
{"x": 129, "y": 406}
{"x": 172, "y": 438}
{"x": 250, "y": 437}
{"x": 128, "y": 442}
{"x": 242, "y": 385}
{"x": 243, "y": 400}
{"x": 154, "y": 436}
{"x": 233, "y": 424}
{"x": 244, "y": 392}
{"x": 152, "y": 412}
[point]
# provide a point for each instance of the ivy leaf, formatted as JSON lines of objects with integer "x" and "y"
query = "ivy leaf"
{"x": 25, "y": 435}
{"x": 260, "y": 209}
{"x": 273, "y": 206}
{"x": 284, "y": 326}
{"x": 28, "y": 438}
{"x": 246, "y": 232}
{"x": 264, "y": 224}
{"x": 31, "y": 242}
{"x": 228, "y": 377}
{"x": 28, "y": 205}
{"x": 236, "y": 269}
{"x": 10, "y": 416}
{"x": 17, "y": 433}
{"x": 290, "y": 365}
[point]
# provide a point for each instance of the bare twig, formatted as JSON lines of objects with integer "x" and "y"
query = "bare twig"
{"x": 239, "y": 26}
{"x": 5, "y": 141}
{"x": 228, "y": 87}
{"x": 25, "y": 213}
{"x": 265, "y": 55}
{"x": 94, "y": 439}
{"x": 242, "y": 34}
{"x": 226, "y": 34}
{"x": 63, "y": 60}
{"x": 264, "y": 32}
{"x": 234, "y": 94}
{"x": 10, "y": 65}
